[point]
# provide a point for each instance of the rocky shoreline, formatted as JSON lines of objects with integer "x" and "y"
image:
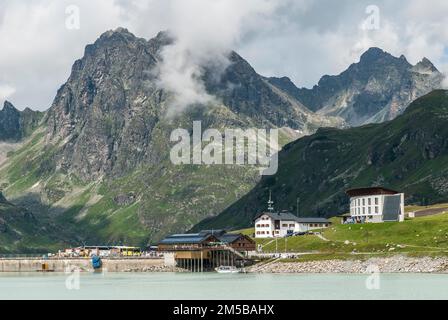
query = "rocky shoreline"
{"x": 394, "y": 264}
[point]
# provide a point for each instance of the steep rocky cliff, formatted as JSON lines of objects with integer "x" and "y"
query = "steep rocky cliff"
{"x": 107, "y": 117}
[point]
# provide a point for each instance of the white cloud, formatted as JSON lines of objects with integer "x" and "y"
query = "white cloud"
{"x": 6, "y": 91}
{"x": 302, "y": 39}
{"x": 204, "y": 39}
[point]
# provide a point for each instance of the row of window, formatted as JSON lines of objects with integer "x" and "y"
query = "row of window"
{"x": 362, "y": 202}
{"x": 262, "y": 232}
{"x": 284, "y": 225}
{"x": 318, "y": 225}
{"x": 364, "y": 211}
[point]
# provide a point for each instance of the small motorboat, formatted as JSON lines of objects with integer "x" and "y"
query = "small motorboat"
{"x": 228, "y": 269}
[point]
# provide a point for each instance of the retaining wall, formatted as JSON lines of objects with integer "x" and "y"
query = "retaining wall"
{"x": 61, "y": 265}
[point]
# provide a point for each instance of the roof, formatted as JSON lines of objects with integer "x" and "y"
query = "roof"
{"x": 344, "y": 215}
{"x": 196, "y": 238}
{"x": 278, "y": 216}
{"x": 369, "y": 191}
{"x": 288, "y": 216}
{"x": 189, "y": 238}
{"x": 97, "y": 247}
{"x": 229, "y": 237}
{"x": 213, "y": 232}
{"x": 313, "y": 220}
{"x": 107, "y": 247}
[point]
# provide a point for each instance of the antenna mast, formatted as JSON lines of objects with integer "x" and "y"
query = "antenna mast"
{"x": 298, "y": 200}
{"x": 270, "y": 202}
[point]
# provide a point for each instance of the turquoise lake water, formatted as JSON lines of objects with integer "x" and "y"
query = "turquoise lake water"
{"x": 212, "y": 286}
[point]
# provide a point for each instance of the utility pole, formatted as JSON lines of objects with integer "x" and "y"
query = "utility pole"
{"x": 286, "y": 244}
{"x": 298, "y": 201}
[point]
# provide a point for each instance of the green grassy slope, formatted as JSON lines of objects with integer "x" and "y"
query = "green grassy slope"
{"x": 409, "y": 153}
{"x": 136, "y": 208}
{"x": 21, "y": 232}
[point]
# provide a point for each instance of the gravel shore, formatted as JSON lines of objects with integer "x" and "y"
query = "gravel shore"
{"x": 394, "y": 264}
{"x": 156, "y": 269}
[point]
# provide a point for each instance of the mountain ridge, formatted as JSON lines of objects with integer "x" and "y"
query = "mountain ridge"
{"x": 377, "y": 88}
{"x": 97, "y": 166}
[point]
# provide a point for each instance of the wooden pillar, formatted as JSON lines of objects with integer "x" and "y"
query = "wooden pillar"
{"x": 202, "y": 261}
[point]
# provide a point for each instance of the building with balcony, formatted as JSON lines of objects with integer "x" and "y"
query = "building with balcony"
{"x": 375, "y": 205}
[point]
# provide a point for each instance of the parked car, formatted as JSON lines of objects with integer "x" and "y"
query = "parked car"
{"x": 302, "y": 233}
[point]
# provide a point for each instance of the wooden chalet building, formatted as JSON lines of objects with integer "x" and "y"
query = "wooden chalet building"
{"x": 207, "y": 249}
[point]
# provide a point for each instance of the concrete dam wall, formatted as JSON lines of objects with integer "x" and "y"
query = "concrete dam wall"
{"x": 62, "y": 265}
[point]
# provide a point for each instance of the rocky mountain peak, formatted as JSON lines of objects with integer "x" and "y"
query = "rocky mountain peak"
{"x": 373, "y": 54}
{"x": 425, "y": 66}
{"x": 163, "y": 37}
{"x": 112, "y": 102}
{"x": 9, "y": 107}
{"x": 375, "y": 57}
{"x": 377, "y": 88}
{"x": 118, "y": 32}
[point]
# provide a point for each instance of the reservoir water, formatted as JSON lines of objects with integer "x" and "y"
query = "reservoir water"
{"x": 210, "y": 286}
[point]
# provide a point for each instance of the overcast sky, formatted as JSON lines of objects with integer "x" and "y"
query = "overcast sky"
{"x": 301, "y": 39}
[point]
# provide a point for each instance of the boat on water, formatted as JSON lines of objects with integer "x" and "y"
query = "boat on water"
{"x": 228, "y": 269}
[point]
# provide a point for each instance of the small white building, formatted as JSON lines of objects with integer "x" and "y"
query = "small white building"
{"x": 280, "y": 224}
{"x": 375, "y": 205}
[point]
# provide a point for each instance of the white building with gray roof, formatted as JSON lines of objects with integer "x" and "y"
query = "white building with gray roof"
{"x": 281, "y": 224}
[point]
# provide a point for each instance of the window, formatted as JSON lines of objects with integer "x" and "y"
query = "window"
{"x": 291, "y": 226}
{"x": 377, "y": 209}
{"x": 363, "y": 202}
{"x": 369, "y": 201}
{"x": 284, "y": 225}
{"x": 363, "y": 210}
{"x": 370, "y": 210}
{"x": 376, "y": 201}
{"x": 258, "y": 225}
